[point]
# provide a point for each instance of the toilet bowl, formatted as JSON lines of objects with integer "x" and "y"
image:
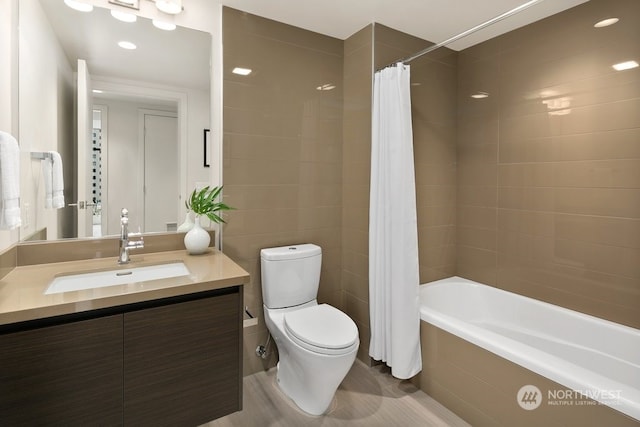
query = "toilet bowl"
{"x": 317, "y": 343}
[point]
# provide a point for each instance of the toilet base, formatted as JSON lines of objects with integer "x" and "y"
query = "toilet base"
{"x": 313, "y": 386}
{"x": 293, "y": 405}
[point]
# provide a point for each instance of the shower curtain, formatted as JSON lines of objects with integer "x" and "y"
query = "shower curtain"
{"x": 393, "y": 232}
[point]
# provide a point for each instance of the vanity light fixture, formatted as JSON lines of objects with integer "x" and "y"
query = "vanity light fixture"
{"x": 79, "y": 6}
{"x": 172, "y": 7}
{"x": 123, "y": 16}
{"x": 241, "y": 71}
{"x": 133, "y": 4}
{"x": 127, "y": 45}
{"x": 605, "y": 22}
{"x": 164, "y": 25}
{"x": 627, "y": 65}
{"x": 480, "y": 95}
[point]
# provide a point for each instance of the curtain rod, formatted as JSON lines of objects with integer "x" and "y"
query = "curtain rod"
{"x": 479, "y": 27}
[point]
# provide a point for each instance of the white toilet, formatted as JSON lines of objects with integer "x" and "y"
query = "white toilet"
{"x": 317, "y": 343}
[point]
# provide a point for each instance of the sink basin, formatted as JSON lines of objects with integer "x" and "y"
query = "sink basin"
{"x": 119, "y": 276}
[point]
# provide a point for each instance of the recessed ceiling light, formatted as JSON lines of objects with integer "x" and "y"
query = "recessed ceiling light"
{"x": 627, "y": 65}
{"x": 78, "y": 5}
{"x": 241, "y": 71}
{"x": 123, "y": 16}
{"x": 327, "y": 86}
{"x": 164, "y": 25}
{"x": 606, "y": 22}
{"x": 480, "y": 95}
{"x": 127, "y": 45}
{"x": 548, "y": 93}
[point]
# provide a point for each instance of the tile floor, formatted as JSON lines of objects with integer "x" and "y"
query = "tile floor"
{"x": 368, "y": 396}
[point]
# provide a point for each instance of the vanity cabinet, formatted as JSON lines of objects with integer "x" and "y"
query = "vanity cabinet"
{"x": 182, "y": 362}
{"x": 67, "y": 374}
{"x": 175, "y": 361}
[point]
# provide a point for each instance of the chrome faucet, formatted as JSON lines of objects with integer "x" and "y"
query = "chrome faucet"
{"x": 125, "y": 243}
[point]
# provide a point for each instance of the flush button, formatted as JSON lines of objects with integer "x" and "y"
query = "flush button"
{"x": 292, "y": 248}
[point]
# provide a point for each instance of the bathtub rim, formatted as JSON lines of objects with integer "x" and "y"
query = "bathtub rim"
{"x": 549, "y": 366}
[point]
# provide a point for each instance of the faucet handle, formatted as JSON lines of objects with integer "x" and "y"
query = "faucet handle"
{"x": 139, "y": 242}
{"x": 124, "y": 213}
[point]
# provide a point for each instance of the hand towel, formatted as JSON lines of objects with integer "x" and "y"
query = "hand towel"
{"x": 47, "y": 170}
{"x": 57, "y": 181}
{"x": 9, "y": 182}
{"x": 53, "y": 181}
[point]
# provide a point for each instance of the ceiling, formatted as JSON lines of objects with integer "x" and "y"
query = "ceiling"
{"x": 432, "y": 20}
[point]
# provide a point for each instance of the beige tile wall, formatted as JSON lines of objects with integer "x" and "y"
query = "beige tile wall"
{"x": 358, "y": 63}
{"x": 549, "y": 164}
{"x": 282, "y": 161}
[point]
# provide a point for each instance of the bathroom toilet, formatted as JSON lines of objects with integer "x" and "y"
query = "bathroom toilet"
{"x": 317, "y": 343}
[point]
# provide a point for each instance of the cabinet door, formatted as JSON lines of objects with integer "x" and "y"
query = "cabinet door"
{"x": 182, "y": 362}
{"x": 68, "y": 374}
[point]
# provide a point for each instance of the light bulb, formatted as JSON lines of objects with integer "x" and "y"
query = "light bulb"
{"x": 79, "y": 6}
{"x": 172, "y": 7}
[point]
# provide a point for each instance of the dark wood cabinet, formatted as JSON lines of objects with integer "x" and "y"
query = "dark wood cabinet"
{"x": 181, "y": 362}
{"x": 68, "y": 374}
{"x": 169, "y": 362}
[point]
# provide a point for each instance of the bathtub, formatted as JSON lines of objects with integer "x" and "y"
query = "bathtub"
{"x": 597, "y": 358}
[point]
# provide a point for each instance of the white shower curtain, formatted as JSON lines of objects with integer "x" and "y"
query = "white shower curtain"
{"x": 393, "y": 232}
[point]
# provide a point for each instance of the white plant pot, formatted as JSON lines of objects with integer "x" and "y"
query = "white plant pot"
{"x": 197, "y": 239}
{"x": 187, "y": 224}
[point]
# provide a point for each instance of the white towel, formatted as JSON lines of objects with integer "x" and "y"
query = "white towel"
{"x": 53, "y": 181}
{"x": 9, "y": 182}
{"x": 47, "y": 168}
{"x": 57, "y": 181}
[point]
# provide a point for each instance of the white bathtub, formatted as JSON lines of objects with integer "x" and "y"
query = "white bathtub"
{"x": 599, "y": 358}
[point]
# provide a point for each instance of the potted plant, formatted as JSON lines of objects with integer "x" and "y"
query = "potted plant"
{"x": 203, "y": 202}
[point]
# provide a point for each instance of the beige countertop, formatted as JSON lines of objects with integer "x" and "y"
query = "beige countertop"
{"x": 22, "y": 296}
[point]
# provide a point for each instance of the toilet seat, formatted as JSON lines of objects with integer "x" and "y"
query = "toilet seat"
{"x": 322, "y": 329}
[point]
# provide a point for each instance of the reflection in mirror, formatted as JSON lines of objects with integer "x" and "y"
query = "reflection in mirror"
{"x": 144, "y": 112}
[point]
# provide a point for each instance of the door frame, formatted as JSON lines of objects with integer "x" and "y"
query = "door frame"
{"x": 84, "y": 126}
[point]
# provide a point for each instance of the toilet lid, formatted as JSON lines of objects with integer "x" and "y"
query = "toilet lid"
{"x": 321, "y": 326}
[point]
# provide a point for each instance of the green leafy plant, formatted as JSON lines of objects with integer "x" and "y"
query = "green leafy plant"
{"x": 204, "y": 202}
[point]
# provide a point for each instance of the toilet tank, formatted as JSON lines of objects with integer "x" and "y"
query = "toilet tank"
{"x": 290, "y": 275}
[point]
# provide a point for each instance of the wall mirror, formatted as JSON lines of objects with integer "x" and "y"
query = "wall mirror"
{"x": 127, "y": 123}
